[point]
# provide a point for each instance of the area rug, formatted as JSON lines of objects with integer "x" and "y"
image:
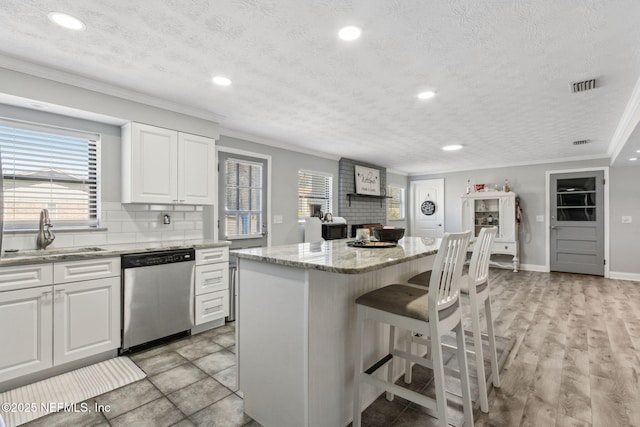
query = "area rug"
{"x": 24, "y": 404}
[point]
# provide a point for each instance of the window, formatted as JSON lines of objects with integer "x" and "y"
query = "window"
{"x": 314, "y": 188}
{"x": 243, "y": 199}
{"x": 48, "y": 168}
{"x": 395, "y": 205}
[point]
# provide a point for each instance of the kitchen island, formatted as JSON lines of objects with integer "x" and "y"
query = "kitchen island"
{"x": 296, "y": 322}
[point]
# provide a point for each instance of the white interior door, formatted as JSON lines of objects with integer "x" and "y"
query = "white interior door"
{"x": 427, "y": 208}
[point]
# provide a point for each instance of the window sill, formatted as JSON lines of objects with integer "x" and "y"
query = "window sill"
{"x": 57, "y": 230}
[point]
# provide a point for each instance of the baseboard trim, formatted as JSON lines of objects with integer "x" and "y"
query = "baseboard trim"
{"x": 534, "y": 267}
{"x": 624, "y": 276}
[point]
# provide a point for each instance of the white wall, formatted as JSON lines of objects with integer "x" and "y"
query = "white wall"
{"x": 625, "y": 238}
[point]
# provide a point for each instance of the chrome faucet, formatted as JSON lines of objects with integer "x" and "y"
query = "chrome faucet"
{"x": 45, "y": 236}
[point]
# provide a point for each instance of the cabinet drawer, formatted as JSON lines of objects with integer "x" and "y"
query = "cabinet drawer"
{"x": 211, "y": 306}
{"x": 25, "y": 276}
{"x": 504, "y": 248}
{"x": 207, "y": 256}
{"x": 73, "y": 271}
{"x": 212, "y": 277}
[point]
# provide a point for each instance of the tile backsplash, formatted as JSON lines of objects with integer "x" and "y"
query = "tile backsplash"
{"x": 124, "y": 223}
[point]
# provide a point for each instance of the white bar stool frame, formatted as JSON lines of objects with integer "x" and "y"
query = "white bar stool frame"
{"x": 433, "y": 314}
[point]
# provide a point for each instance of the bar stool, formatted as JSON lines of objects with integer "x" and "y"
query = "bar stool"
{"x": 476, "y": 286}
{"x": 432, "y": 312}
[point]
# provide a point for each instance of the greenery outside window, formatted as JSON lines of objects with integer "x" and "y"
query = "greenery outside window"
{"x": 46, "y": 167}
{"x": 395, "y": 205}
{"x": 314, "y": 188}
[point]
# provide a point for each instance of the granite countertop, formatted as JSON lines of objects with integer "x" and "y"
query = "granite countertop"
{"x": 335, "y": 256}
{"x": 86, "y": 252}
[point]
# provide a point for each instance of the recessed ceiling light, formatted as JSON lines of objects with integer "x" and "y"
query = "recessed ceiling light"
{"x": 426, "y": 95}
{"x": 221, "y": 81}
{"x": 637, "y": 151}
{"x": 350, "y": 33}
{"x": 633, "y": 159}
{"x": 67, "y": 21}
{"x": 453, "y": 147}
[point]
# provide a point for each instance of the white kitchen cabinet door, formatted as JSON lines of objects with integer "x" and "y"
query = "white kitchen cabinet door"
{"x": 211, "y": 306}
{"x": 149, "y": 164}
{"x": 212, "y": 277}
{"x": 26, "y": 331}
{"x": 86, "y": 319}
{"x": 197, "y": 174}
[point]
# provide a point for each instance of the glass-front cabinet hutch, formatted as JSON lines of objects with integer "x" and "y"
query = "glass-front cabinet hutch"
{"x": 493, "y": 209}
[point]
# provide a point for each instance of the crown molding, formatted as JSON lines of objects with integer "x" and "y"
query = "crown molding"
{"x": 88, "y": 83}
{"x": 276, "y": 144}
{"x": 627, "y": 124}
{"x": 510, "y": 165}
{"x": 397, "y": 172}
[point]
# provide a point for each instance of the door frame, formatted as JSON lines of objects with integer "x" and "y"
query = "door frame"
{"x": 267, "y": 158}
{"x": 547, "y": 219}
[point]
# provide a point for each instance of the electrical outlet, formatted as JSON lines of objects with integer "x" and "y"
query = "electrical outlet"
{"x": 539, "y": 218}
{"x": 277, "y": 219}
{"x": 627, "y": 219}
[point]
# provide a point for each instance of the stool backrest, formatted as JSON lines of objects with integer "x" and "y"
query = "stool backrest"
{"x": 479, "y": 265}
{"x": 444, "y": 286}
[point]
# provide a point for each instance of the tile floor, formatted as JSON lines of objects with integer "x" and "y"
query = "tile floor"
{"x": 190, "y": 382}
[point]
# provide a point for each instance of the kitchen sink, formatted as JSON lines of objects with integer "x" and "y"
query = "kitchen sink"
{"x": 47, "y": 252}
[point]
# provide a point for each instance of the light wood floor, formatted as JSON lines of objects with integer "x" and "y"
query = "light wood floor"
{"x": 576, "y": 358}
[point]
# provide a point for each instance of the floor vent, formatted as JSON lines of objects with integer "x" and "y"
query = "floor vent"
{"x": 580, "y": 142}
{"x": 583, "y": 86}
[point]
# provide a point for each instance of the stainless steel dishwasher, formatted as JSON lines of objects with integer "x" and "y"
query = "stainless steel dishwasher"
{"x": 157, "y": 295}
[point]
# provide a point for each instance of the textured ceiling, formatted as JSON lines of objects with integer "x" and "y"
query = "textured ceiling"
{"x": 501, "y": 70}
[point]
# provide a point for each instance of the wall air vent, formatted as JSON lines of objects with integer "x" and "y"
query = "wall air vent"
{"x": 581, "y": 142}
{"x": 583, "y": 86}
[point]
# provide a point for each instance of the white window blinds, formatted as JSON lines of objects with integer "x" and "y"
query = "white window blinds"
{"x": 48, "y": 168}
{"x": 314, "y": 189}
{"x": 395, "y": 205}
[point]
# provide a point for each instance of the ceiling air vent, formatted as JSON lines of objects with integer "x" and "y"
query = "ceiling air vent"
{"x": 580, "y": 142}
{"x": 583, "y": 86}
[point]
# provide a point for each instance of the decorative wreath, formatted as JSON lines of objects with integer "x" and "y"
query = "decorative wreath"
{"x": 428, "y": 207}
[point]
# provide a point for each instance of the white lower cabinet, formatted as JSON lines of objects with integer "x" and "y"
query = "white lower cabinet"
{"x": 211, "y": 285}
{"x": 212, "y": 306}
{"x": 86, "y": 319}
{"x": 50, "y": 325}
{"x": 25, "y": 331}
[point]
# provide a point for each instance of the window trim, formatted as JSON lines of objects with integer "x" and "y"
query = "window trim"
{"x": 320, "y": 173}
{"x": 250, "y": 163}
{"x": 402, "y": 204}
{"x": 267, "y": 158}
{"x": 94, "y": 137}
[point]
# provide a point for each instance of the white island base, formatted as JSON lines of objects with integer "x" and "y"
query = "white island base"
{"x": 295, "y": 340}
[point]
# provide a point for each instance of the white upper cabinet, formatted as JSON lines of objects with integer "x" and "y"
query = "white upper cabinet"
{"x": 167, "y": 167}
{"x": 197, "y": 174}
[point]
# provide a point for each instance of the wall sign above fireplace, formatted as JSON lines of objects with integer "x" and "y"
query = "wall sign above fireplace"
{"x": 367, "y": 181}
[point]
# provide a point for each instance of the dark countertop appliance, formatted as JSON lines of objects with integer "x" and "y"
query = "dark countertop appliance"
{"x": 334, "y": 230}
